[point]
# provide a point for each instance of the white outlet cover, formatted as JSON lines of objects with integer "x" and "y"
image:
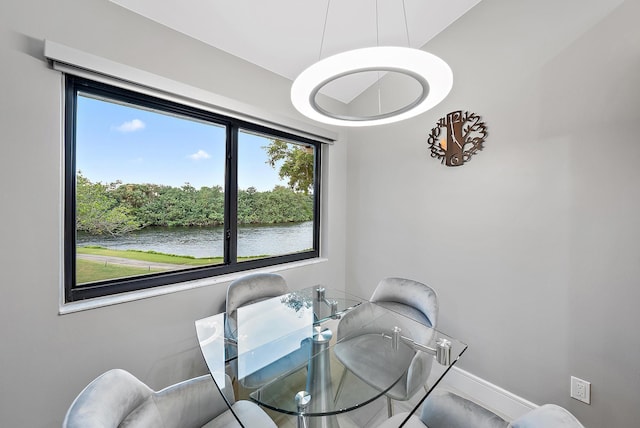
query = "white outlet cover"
{"x": 581, "y": 390}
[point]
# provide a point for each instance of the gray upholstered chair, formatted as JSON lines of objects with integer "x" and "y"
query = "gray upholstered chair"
{"x": 251, "y": 289}
{"x": 409, "y": 298}
{"x": 444, "y": 409}
{"x": 117, "y": 399}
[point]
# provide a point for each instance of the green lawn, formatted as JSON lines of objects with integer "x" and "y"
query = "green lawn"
{"x": 90, "y": 271}
{"x": 151, "y": 256}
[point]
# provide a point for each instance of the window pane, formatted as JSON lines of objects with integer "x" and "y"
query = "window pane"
{"x": 275, "y": 196}
{"x": 149, "y": 191}
{"x": 145, "y": 197}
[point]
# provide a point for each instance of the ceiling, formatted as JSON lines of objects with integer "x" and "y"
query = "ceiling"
{"x": 286, "y": 36}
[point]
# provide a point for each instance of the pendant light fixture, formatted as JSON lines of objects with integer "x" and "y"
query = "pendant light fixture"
{"x": 433, "y": 75}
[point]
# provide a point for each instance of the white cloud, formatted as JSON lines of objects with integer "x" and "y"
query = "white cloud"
{"x": 200, "y": 154}
{"x": 131, "y": 126}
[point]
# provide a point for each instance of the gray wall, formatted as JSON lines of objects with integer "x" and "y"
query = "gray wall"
{"x": 45, "y": 358}
{"x": 533, "y": 246}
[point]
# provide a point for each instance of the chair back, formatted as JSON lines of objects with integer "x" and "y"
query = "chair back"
{"x": 548, "y": 415}
{"x": 106, "y": 401}
{"x": 444, "y": 409}
{"x": 254, "y": 288}
{"x": 411, "y": 298}
{"x": 117, "y": 399}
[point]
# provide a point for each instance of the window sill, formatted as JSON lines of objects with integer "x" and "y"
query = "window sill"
{"x": 68, "y": 308}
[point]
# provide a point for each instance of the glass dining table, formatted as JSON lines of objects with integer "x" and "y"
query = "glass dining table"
{"x": 287, "y": 354}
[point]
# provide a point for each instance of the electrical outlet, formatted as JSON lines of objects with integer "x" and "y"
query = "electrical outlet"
{"x": 581, "y": 390}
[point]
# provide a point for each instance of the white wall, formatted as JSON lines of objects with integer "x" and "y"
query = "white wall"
{"x": 45, "y": 358}
{"x": 534, "y": 245}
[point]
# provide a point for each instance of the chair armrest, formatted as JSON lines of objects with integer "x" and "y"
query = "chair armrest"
{"x": 107, "y": 400}
{"x": 443, "y": 409}
{"x": 418, "y": 372}
{"x": 188, "y": 404}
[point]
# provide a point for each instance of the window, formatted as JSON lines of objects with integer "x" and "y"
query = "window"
{"x": 158, "y": 193}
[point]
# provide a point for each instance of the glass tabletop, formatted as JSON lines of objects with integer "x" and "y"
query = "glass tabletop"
{"x": 292, "y": 353}
{"x": 283, "y": 318}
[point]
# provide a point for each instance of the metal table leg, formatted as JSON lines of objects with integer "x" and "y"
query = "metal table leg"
{"x": 319, "y": 384}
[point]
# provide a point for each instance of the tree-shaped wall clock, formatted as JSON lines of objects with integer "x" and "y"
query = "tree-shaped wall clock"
{"x": 456, "y": 137}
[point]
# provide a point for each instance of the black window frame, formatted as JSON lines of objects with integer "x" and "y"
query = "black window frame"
{"x": 73, "y": 292}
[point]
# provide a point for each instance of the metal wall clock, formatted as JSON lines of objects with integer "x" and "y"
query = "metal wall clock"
{"x": 457, "y": 137}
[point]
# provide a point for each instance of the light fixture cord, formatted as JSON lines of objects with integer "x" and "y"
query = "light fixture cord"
{"x": 378, "y": 72}
{"x": 377, "y": 27}
{"x": 406, "y": 26}
{"x": 324, "y": 29}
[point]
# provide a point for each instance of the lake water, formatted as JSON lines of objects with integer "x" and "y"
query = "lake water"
{"x": 253, "y": 240}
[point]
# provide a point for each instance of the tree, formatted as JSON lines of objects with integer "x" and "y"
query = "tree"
{"x": 118, "y": 208}
{"x": 98, "y": 213}
{"x": 297, "y": 163}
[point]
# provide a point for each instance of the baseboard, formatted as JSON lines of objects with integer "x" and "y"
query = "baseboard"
{"x": 499, "y": 400}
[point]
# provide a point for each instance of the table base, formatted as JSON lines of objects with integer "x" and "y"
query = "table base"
{"x": 319, "y": 395}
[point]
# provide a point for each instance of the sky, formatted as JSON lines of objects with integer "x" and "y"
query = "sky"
{"x": 118, "y": 142}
